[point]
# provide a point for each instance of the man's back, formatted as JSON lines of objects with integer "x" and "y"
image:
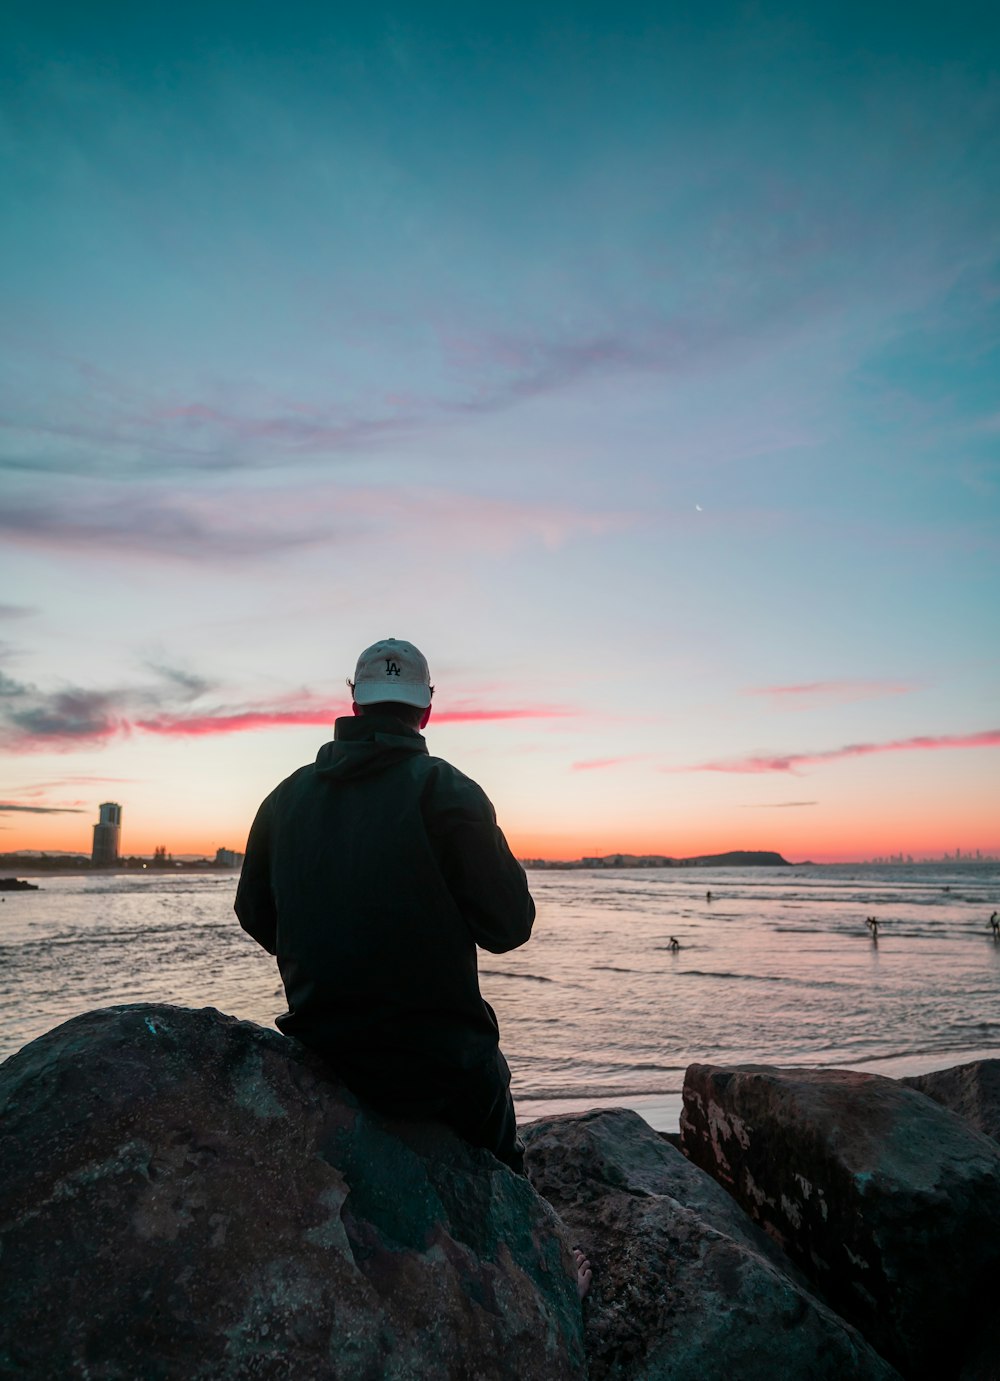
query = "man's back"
{"x": 373, "y": 873}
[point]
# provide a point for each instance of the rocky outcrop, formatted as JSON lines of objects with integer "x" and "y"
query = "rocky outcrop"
{"x": 884, "y": 1198}
{"x": 972, "y": 1091}
{"x": 184, "y": 1195}
{"x": 685, "y": 1286}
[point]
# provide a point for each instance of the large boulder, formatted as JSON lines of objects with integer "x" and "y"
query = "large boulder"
{"x": 890, "y": 1202}
{"x": 685, "y": 1286}
{"x": 972, "y": 1091}
{"x": 185, "y": 1195}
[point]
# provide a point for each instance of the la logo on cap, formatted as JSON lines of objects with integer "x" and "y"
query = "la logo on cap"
{"x": 400, "y": 664}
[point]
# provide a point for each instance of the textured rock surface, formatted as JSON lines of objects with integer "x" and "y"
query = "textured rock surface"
{"x": 886, "y": 1199}
{"x": 685, "y": 1286}
{"x": 972, "y": 1091}
{"x": 185, "y": 1195}
{"x": 983, "y": 1362}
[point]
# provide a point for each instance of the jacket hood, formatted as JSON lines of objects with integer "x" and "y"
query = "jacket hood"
{"x": 366, "y": 744}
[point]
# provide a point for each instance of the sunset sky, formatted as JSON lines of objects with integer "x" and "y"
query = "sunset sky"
{"x": 640, "y": 363}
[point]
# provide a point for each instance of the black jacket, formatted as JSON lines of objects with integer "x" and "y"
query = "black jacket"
{"x": 372, "y": 874}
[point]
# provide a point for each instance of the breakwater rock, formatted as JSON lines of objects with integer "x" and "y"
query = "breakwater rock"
{"x": 972, "y": 1090}
{"x": 686, "y": 1287}
{"x": 888, "y": 1201}
{"x": 184, "y": 1195}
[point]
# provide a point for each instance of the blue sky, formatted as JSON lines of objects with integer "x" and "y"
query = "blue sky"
{"x": 640, "y": 366}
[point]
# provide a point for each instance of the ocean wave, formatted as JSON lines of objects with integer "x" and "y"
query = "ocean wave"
{"x": 942, "y": 1048}
{"x": 124, "y": 935}
{"x": 134, "y": 888}
{"x": 784, "y": 979}
{"x": 564, "y": 1093}
{"x": 708, "y": 973}
{"x": 509, "y": 973}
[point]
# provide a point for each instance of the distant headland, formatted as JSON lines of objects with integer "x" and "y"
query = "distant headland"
{"x": 736, "y": 858}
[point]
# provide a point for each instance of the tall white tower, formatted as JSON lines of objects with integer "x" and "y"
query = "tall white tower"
{"x": 107, "y": 836}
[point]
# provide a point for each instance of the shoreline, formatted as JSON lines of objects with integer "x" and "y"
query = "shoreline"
{"x": 31, "y": 868}
{"x": 186, "y": 870}
{"x": 663, "y": 1110}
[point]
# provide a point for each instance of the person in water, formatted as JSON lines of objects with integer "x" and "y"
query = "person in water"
{"x": 372, "y": 874}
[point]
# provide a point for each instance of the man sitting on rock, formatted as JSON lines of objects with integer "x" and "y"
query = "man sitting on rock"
{"x": 373, "y": 873}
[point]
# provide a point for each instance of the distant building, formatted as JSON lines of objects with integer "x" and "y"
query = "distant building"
{"x": 107, "y": 836}
{"x": 228, "y": 858}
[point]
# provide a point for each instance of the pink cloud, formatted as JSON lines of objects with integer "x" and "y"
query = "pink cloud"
{"x": 498, "y": 373}
{"x": 791, "y": 762}
{"x": 468, "y": 715}
{"x": 595, "y": 764}
{"x": 294, "y": 426}
{"x": 244, "y": 721}
{"x": 34, "y": 789}
{"x": 825, "y": 692}
{"x": 482, "y": 523}
{"x": 34, "y": 719}
{"x": 236, "y": 722}
{"x": 259, "y": 525}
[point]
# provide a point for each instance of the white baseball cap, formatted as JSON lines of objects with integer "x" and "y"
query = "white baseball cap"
{"x": 392, "y": 670}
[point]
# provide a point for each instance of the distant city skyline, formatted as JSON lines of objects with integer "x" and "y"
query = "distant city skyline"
{"x": 227, "y": 857}
{"x": 638, "y": 364}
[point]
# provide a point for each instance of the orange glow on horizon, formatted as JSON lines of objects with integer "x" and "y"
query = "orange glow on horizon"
{"x": 559, "y": 849}
{"x": 797, "y": 835}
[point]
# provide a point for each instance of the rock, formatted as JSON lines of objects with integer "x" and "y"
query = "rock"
{"x": 972, "y": 1091}
{"x": 983, "y": 1362}
{"x": 685, "y": 1286}
{"x": 888, "y": 1201}
{"x": 185, "y": 1195}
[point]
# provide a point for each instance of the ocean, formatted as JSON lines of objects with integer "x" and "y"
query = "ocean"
{"x": 776, "y": 966}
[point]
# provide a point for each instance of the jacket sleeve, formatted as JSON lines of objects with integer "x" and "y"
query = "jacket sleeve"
{"x": 254, "y": 899}
{"x": 486, "y": 880}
